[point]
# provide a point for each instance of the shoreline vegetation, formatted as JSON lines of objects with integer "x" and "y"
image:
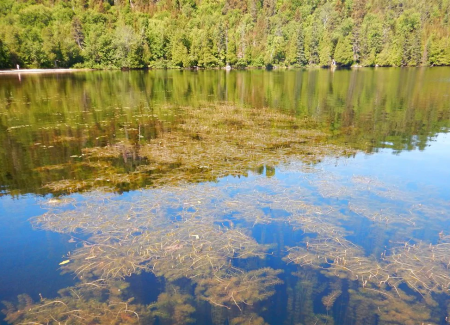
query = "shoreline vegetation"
{"x": 70, "y": 70}
{"x": 306, "y": 68}
{"x": 169, "y": 34}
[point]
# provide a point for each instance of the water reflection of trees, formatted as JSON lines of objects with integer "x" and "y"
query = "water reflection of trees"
{"x": 47, "y": 126}
{"x": 199, "y": 144}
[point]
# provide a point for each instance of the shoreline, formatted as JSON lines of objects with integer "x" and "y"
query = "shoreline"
{"x": 36, "y": 71}
{"x": 69, "y": 70}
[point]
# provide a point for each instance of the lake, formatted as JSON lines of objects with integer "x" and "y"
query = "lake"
{"x": 226, "y": 197}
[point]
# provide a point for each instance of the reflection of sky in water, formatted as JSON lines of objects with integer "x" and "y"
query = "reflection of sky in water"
{"x": 409, "y": 169}
{"x": 30, "y": 257}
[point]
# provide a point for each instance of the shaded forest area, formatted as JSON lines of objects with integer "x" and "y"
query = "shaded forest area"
{"x": 214, "y": 33}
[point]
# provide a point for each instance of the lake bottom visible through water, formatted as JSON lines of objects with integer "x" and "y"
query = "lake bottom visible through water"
{"x": 329, "y": 234}
{"x": 160, "y": 210}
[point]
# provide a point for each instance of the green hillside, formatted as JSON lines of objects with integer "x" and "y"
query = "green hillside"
{"x": 212, "y": 33}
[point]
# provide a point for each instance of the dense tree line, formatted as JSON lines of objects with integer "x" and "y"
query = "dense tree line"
{"x": 214, "y": 33}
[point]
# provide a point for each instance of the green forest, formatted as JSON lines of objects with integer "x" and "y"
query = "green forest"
{"x": 114, "y": 34}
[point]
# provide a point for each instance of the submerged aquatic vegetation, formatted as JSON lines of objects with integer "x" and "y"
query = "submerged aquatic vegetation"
{"x": 248, "y": 319}
{"x": 78, "y": 305}
{"x": 137, "y": 235}
{"x": 196, "y": 233}
{"x": 424, "y": 268}
{"x": 189, "y": 249}
{"x": 174, "y": 307}
{"x": 239, "y": 288}
{"x": 370, "y": 307}
{"x": 131, "y": 237}
{"x": 201, "y": 144}
{"x": 336, "y": 256}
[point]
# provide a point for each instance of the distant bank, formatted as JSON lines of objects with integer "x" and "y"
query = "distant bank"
{"x": 20, "y": 71}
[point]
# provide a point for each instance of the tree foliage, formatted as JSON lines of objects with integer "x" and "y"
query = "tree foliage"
{"x": 207, "y": 34}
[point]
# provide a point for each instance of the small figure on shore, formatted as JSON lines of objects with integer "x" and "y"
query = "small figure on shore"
{"x": 18, "y": 67}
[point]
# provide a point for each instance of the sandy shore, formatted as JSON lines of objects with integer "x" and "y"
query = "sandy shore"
{"x": 24, "y": 71}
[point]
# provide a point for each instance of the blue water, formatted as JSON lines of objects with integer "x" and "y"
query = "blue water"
{"x": 30, "y": 257}
{"x": 394, "y": 195}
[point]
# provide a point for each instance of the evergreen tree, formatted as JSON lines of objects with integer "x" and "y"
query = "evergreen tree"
{"x": 343, "y": 55}
{"x": 409, "y": 26}
{"x": 301, "y": 56}
{"x": 314, "y": 57}
{"x": 439, "y": 53}
{"x": 4, "y": 56}
{"x": 180, "y": 55}
{"x": 325, "y": 51}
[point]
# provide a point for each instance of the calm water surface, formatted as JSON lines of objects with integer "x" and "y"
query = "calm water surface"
{"x": 212, "y": 197}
